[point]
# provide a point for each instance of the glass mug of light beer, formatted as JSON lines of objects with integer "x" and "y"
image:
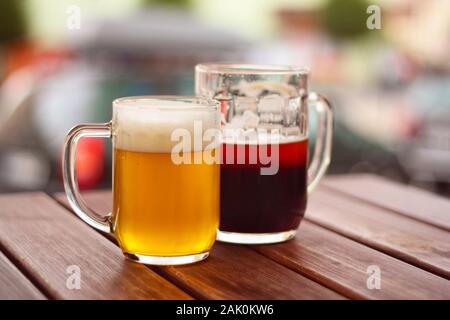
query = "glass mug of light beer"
{"x": 165, "y": 192}
{"x": 265, "y": 177}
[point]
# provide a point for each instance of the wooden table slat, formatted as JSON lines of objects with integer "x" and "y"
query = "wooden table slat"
{"x": 14, "y": 285}
{"x": 412, "y": 241}
{"x": 237, "y": 272}
{"x": 231, "y": 272}
{"x": 341, "y": 264}
{"x": 44, "y": 239}
{"x": 351, "y": 223}
{"x": 406, "y": 200}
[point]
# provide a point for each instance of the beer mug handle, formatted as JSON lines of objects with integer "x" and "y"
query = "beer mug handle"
{"x": 100, "y": 130}
{"x": 324, "y": 139}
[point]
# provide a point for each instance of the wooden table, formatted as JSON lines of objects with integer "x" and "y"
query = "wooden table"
{"x": 352, "y": 222}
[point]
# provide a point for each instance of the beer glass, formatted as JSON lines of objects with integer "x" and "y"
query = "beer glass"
{"x": 265, "y": 177}
{"x": 165, "y": 189}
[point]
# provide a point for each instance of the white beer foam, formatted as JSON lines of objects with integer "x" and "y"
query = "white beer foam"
{"x": 144, "y": 125}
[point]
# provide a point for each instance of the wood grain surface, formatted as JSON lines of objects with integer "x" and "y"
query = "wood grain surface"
{"x": 342, "y": 264}
{"x": 231, "y": 272}
{"x": 352, "y": 222}
{"x": 402, "y": 199}
{"x": 14, "y": 285}
{"x": 237, "y": 272}
{"x": 45, "y": 239}
{"x": 407, "y": 239}
{"x": 323, "y": 251}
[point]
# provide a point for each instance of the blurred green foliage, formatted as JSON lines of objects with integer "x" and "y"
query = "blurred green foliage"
{"x": 12, "y": 20}
{"x": 345, "y": 19}
{"x": 172, "y": 3}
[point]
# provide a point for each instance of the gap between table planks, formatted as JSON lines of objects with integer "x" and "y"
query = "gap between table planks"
{"x": 342, "y": 264}
{"x": 14, "y": 285}
{"x": 336, "y": 262}
{"x": 44, "y": 238}
{"x": 231, "y": 272}
{"x": 402, "y": 199}
{"x": 407, "y": 239}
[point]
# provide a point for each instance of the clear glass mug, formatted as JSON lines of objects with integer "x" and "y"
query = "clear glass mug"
{"x": 165, "y": 211}
{"x": 265, "y": 178}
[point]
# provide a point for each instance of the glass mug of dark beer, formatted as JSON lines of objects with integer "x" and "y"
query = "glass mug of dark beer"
{"x": 164, "y": 212}
{"x": 265, "y": 177}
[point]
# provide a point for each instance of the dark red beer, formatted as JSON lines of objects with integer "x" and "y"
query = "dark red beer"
{"x": 255, "y": 203}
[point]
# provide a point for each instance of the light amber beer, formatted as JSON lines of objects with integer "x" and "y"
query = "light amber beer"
{"x": 164, "y": 209}
{"x": 161, "y": 208}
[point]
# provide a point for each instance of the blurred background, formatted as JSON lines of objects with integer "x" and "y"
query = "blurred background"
{"x": 62, "y": 62}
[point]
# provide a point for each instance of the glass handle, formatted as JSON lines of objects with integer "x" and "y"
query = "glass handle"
{"x": 324, "y": 139}
{"x": 101, "y": 130}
